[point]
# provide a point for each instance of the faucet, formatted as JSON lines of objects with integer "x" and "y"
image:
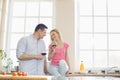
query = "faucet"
{"x": 108, "y": 70}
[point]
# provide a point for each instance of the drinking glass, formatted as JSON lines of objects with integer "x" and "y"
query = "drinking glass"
{"x": 43, "y": 53}
{"x": 54, "y": 44}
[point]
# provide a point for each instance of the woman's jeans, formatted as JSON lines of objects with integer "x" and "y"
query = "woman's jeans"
{"x": 59, "y": 70}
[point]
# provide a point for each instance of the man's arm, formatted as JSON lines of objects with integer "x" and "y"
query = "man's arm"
{"x": 30, "y": 56}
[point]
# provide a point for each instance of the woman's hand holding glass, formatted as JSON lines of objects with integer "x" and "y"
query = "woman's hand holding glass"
{"x": 53, "y": 46}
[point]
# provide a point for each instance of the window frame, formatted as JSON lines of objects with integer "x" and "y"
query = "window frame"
{"x": 93, "y": 53}
{"x": 9, "y": 23}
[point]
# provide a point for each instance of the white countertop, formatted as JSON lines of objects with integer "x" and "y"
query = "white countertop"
{"x": 93, "y": 74}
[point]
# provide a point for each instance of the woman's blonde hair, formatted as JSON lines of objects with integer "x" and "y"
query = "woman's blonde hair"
{"x": 55, "y": 30}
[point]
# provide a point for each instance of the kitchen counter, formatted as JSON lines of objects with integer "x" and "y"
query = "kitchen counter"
{"x": 69, "y": 77}
{"x": 93, "y": 78}
{"x": 93, "y": 74}
{"x": 10, "y": 77}
{"x": 73, "y": 76}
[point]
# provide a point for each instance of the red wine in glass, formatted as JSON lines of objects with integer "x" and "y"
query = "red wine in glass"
{"x": 54, "y": 45}
{"x": 43, "y": 54}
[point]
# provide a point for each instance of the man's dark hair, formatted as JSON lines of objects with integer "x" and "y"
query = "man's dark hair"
{"x": 41, "y": 26}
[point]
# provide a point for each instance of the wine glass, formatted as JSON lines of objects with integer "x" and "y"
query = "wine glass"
{"x": 54, "y": 44}
{"x": 43, "y": 53}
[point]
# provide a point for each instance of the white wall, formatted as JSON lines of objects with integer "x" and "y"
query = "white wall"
{"x": 65, "y": 23}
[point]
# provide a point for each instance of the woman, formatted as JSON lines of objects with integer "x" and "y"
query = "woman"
{"x": 58, "y": 55}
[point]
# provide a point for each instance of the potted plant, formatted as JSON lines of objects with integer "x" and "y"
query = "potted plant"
{"x": 8, "y": 65}
{"x": 2, "y": 54}
{"x": 7, "y": 61}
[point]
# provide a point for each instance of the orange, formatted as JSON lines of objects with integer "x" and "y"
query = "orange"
{"x": 19, "y": 73}
{"x": 24, "y": 73}
{"x": 14, "y": 73}
{"x": 3, "y": 73}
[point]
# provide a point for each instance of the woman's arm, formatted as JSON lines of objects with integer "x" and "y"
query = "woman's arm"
{"x": 50, "y": 54}
{"x": 67, "y": 60}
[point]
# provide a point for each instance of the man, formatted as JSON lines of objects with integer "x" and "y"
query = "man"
{"x": 29, "y": 51}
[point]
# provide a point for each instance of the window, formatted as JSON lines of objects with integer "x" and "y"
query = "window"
{"x": 24, "y": 15}
{"x": 98, "y": 33}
